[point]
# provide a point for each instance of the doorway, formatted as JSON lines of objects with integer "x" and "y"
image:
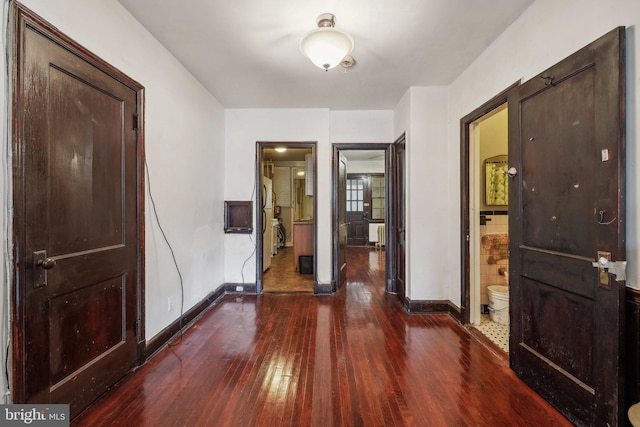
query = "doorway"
{"x": 489, "y": 226}
{"x": 286, "y": 217}
{"x": 474, "y": 208}
{"x": 361, "y": 204}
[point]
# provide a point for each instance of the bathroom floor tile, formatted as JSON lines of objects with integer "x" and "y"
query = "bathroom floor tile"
{"x": 497, "y": 333}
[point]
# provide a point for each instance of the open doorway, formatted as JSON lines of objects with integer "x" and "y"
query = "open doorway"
{"x": 286, "y": 217}
{"x": 485, "y": 218}
{"x": 490, "y": 226}
{"x": 361, "y": 205}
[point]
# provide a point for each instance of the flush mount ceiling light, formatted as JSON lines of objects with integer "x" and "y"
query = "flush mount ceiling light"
{"x": 281, "y": 149}
{"x": 325, "y": 46}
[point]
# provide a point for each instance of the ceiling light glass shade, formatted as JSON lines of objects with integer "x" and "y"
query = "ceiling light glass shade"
{"x": 326, "y": 47}
{"x": 281, "y": 149}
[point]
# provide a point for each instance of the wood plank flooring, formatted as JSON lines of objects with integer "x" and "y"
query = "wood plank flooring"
{"x": 352, "y": 359}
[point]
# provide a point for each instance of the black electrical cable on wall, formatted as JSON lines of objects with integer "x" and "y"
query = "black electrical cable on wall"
{"x": 173, "y": 255}
{"x": 255, "y": 246}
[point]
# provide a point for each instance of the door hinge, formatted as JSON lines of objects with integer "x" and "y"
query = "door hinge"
{"x": 135, "y": 122}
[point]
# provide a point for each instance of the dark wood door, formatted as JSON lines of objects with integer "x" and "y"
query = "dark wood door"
{"x": 400, "y": 217}
{"x": 342, "y": 219}
{"x": 358, "y": 204}
{"x": 77, "y": 220}
{"x": 567, "y": 144}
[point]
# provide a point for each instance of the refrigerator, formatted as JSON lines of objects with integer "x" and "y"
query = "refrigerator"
{"x": 267, "y": 220}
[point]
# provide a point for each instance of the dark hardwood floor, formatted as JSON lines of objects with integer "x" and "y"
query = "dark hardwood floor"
{"x": 352, "y": 359}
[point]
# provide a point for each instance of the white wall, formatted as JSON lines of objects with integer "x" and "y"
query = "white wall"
{"x": 245, "y": 127}
{"x": 184, "y": 146}
{"x": 362, "y": 126}
{"x": 421, "y": 114}
{"x": 365, "y": 166}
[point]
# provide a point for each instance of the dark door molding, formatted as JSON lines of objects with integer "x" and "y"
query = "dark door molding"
{"x": 465, "y": 223}
{"x": 317, "y": 289}
{"x": 396, "y": 244}
{"x": 389, "y": 264}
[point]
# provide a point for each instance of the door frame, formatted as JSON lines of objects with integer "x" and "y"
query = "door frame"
{"x": 465, "y": 189}
{"x": 389, "y": 247}
{"x": 21, "y": 15}
{"x": 259, "y": 226}
{"x": 398, "y": 196}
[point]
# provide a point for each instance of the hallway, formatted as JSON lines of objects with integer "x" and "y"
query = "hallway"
{"x": 355, "y": 358}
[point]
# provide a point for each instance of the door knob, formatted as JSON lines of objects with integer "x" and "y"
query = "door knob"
{"x": 47, "y": 263}
{"x": 512, "y": 172}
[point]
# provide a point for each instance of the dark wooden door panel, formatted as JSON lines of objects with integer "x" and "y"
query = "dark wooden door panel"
{"x": 87, "y": 209}
{"x": 399, "y": 201}
{"x": 358, "y": 206}
{"x": 545, "y": 307}
{"x": 550, "y": 200}
{"x": 77, "y": 198}
{"x": 567, "y": 144}
{"x": 79, "y": 320}
{"x": 542, "y": 266}
{"x": 342, "y": 219}
{"x": 357, "y": 234}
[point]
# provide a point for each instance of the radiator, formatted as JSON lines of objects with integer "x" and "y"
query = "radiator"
{"x": 381, "y": 235}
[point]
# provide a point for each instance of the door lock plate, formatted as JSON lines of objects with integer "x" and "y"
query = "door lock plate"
{"x": 39, "y": 273}
{"x": 605, "y": 267}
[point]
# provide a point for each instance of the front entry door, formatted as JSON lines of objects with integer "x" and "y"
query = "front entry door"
{"x": 77, "y": 176}
{"x": 567, "y": 146}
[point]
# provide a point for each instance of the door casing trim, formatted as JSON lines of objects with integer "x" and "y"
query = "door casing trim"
{"x": 465, "y": 220}
{"x": 312, "y": 145}
{"x": 389, "y": 264}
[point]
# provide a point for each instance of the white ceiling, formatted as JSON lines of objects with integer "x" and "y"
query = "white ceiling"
{"x": 245, "y": 52}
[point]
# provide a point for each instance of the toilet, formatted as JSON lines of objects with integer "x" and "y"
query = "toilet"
{"x": 634, "y": 415}
{"x": 499, "y": 304}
